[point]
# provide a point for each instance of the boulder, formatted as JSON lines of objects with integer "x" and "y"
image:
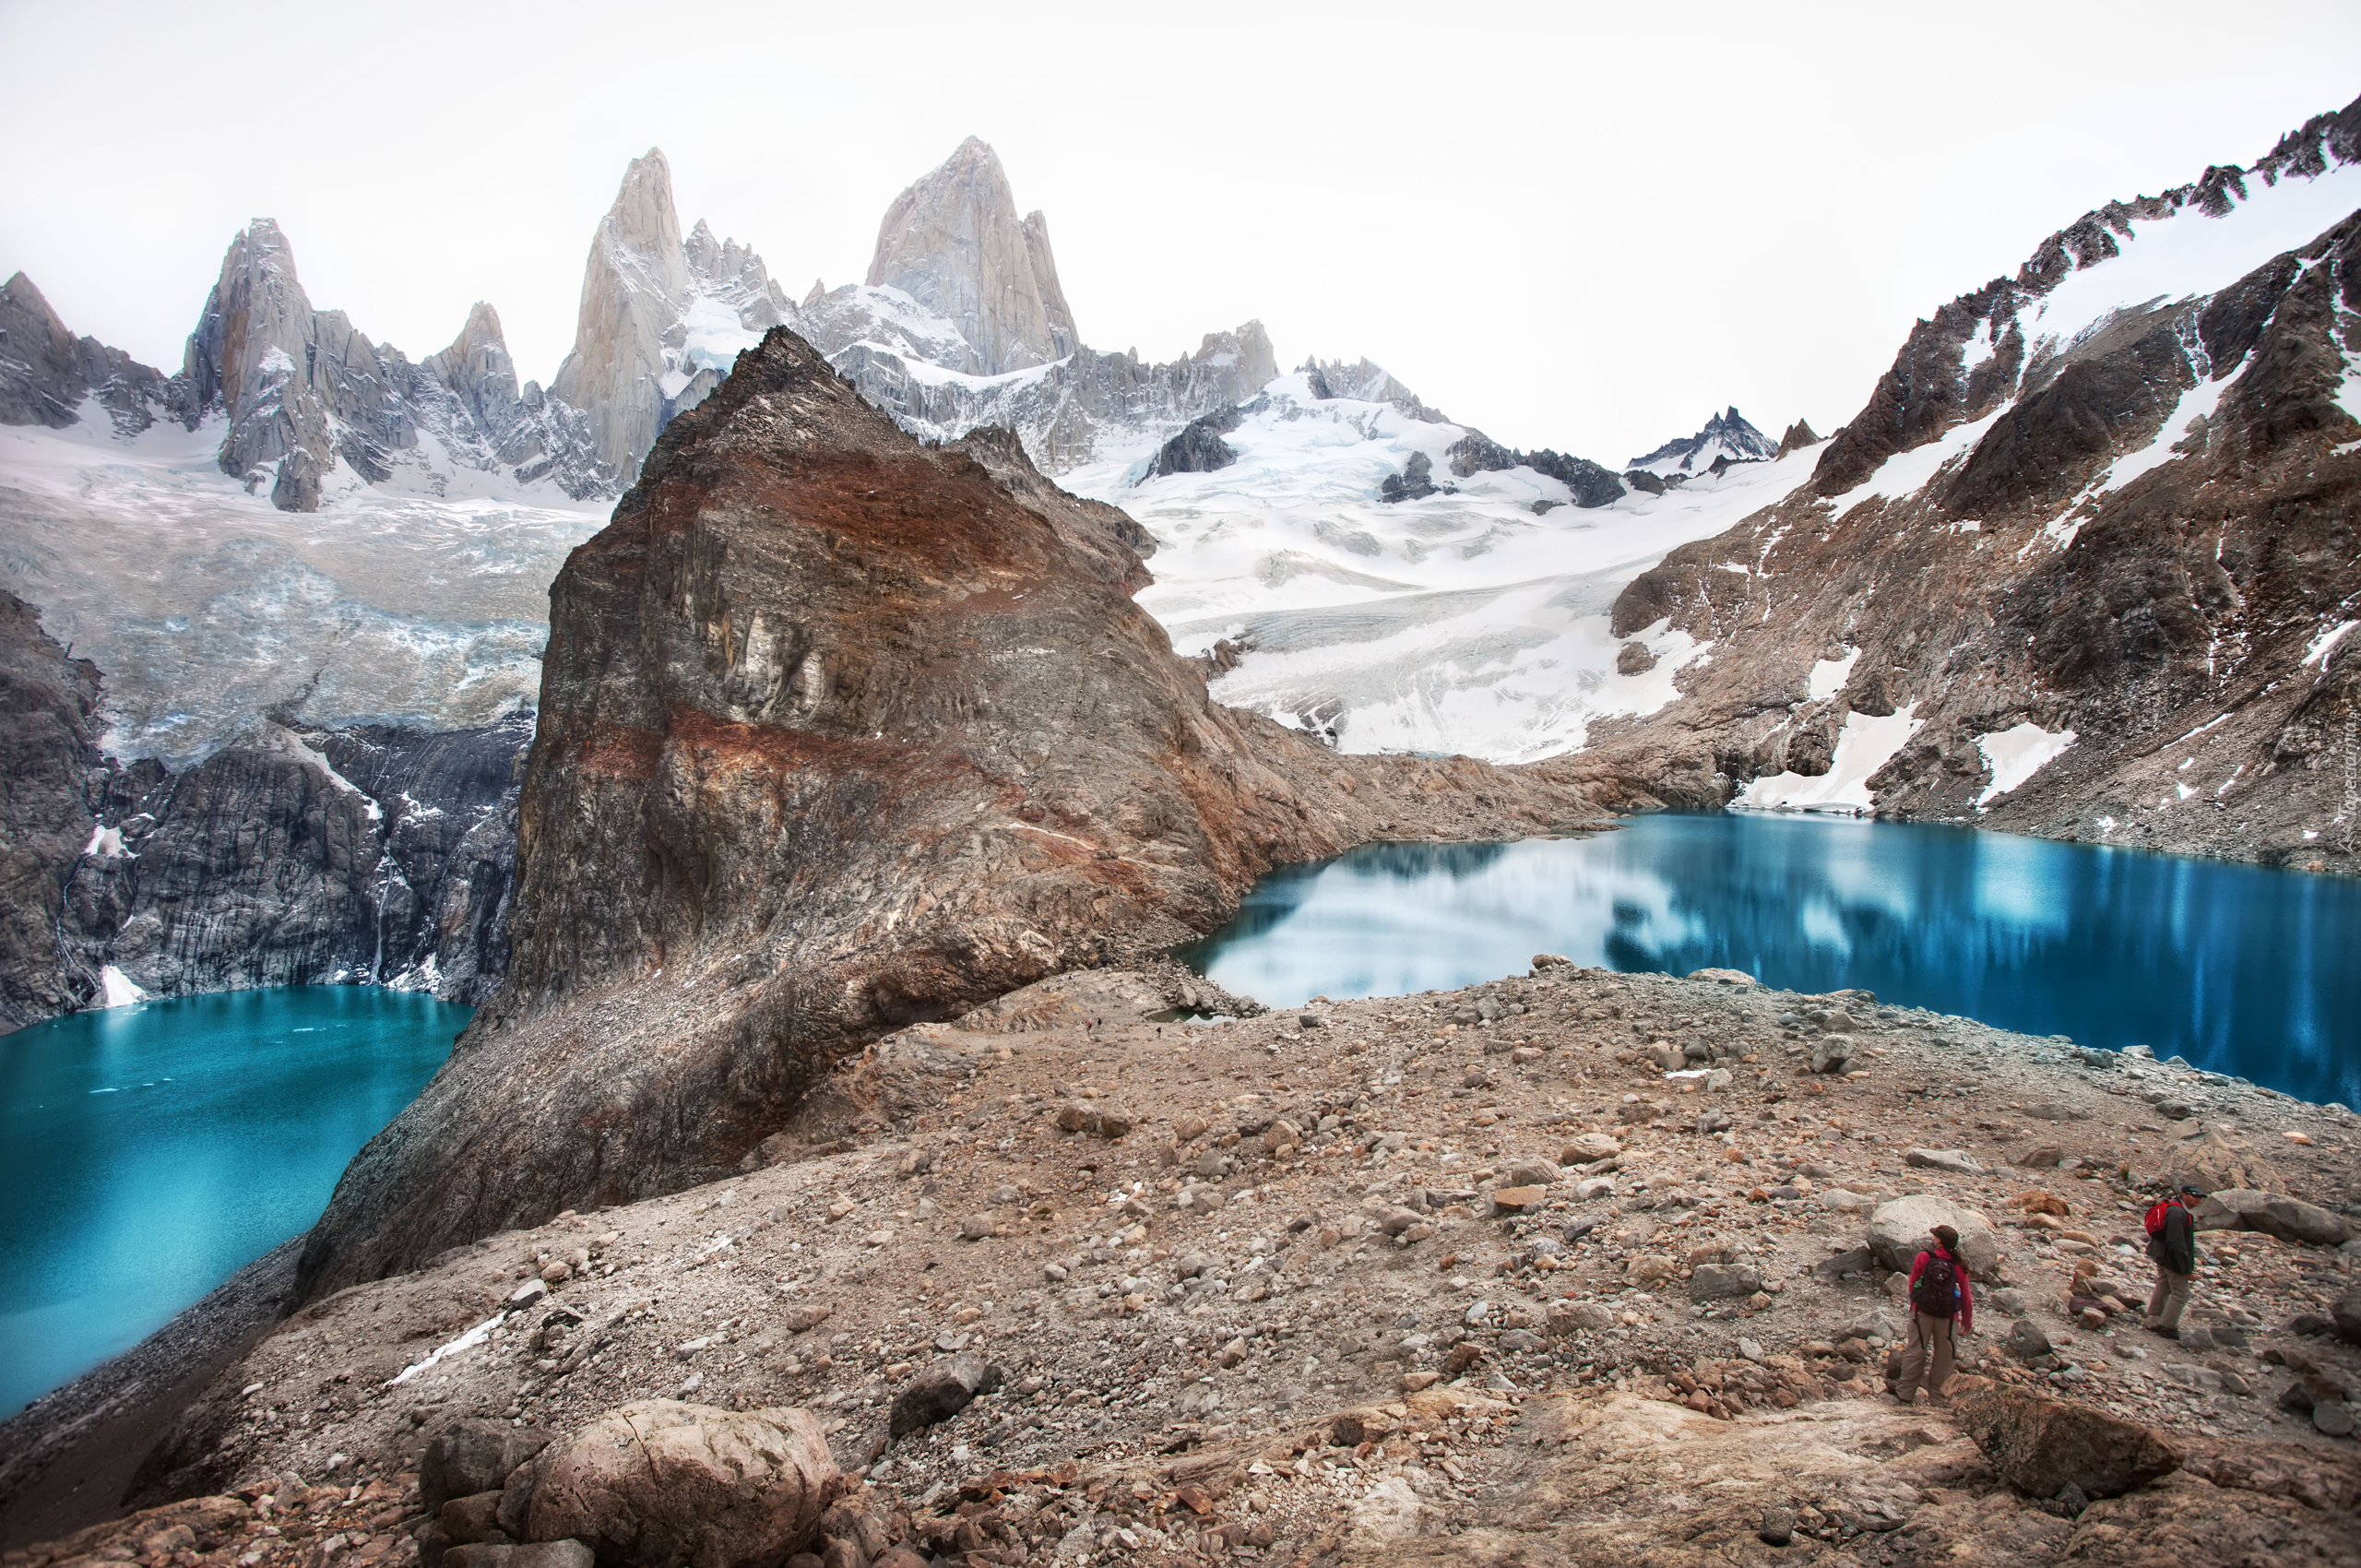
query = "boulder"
{"x": 941, "y": 1392}
{"x": 2041, "y": 1446}
{"x": 1723, "y": 976}
{"x": 1534, "y": 1173}
{"x": 1589, "y": 1149}
{"x": 1515, "y": 1200}
{"x": 2346, "y": 1314}
{"x": 1857, "y": 1261}
{"x": 661, "y": 1484}
{"x": 2289, "y": 1220}
{"x": 2041, "y": 1157}
{"x": 1952, "y": 1160}
{"x": 1713, "y": 1281}
{"x": 1572, "y": 1318}
{"x": 471, "y": 1457}
{"x": 2025, "y": 1342}
{"x": 2213, "y": 1163}
{"x": 1903, "y": 1228}
{"x": 1832, "y": 1053}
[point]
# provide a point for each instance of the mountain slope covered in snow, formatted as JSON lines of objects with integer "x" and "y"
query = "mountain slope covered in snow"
{"x": 1472, "y": 617}
{"x": 2083, "y": 565}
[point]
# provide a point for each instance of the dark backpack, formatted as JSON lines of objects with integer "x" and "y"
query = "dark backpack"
{"x": 1937, "y": 1292}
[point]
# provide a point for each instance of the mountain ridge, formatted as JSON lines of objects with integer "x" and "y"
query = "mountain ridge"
{"x": 2077, "y": 567}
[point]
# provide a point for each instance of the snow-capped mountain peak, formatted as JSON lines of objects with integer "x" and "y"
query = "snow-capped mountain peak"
{"x": 1726, "y": 434}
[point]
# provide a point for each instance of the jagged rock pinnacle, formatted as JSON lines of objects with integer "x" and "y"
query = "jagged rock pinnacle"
{"x": 954, "y": 243}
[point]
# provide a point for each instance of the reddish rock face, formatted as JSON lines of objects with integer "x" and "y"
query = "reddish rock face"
{"x": 839, "y": 732}
{"x": 2041, "y": 1446}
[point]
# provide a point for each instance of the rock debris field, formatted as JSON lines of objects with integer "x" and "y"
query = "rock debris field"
{"x": 1574, "y": 1266}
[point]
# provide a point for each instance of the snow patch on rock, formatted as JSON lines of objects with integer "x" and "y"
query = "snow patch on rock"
{"x": 1866, "y": 744}
{"x": 2016, "y": 755}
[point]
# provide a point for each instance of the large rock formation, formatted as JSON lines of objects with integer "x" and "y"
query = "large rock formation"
{"x": 643, "y": 349}
{"x": 373, "y": 855}
{"x": 46, "y": 372}
{"x": 2083, "y": 565}
{"x": 837, "y": 732}
{"x": 952, "y": 242}
{"x": 633, "y": 286}
{"x": 305, "y": 394}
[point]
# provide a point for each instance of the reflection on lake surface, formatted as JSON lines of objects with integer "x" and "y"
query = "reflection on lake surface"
{"x": 2243, "y": 970}
{"x": 149, "y": 1153}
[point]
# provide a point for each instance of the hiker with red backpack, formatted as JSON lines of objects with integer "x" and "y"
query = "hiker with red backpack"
{"x": 1941, "y": 1299}
{"x": 2172, "y": 1247}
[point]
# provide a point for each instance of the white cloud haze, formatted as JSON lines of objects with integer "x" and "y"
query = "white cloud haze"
{"x": 1583, "y": 227}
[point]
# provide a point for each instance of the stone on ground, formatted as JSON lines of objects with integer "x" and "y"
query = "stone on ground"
{"x": 471, "y": 1457}
{"x": 939, "y": 1393}
{"x": 661, "y": 1484}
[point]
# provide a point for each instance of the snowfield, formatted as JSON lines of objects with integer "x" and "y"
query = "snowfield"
{"x": 1463, "y": 621}
{"x": 423, "y": 601}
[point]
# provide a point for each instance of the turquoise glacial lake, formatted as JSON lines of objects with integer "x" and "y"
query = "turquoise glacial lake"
{"x": 2251, "y": 972}
{"x": 150, "y": 1152}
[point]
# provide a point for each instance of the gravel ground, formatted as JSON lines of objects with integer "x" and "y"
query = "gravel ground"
{"x": 1316, "y": 1280}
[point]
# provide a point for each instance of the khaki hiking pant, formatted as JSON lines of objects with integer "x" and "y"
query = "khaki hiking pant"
{"x": 1929, "y": 1342}
{"x": 2166, "y": 1301}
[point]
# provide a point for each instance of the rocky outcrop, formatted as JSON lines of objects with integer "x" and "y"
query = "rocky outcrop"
{"x": 837, "y": 735}
{"x": 952, "y": 242}
{"x": 1799, "y": 435}
{"x": 1367, "y": 383}
{"x": 372, "y": 855}
{"x": 1415, "y": 482}
{"x": 1591, "y": 484}
{"x": 1199, "y": 448}
{"x": 304, "y": 393}
{"x": 2043, "y": 1447}
{"x": 2113, "y": 605}
{"x": 46, "y": 372}
{"x": 1067, "y": 414}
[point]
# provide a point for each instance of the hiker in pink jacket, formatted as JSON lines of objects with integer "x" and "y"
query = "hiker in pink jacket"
{"x": 1942, "y": 1300}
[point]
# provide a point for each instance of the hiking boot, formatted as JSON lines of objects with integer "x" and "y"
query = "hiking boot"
{"x": 2165, "y": 1329}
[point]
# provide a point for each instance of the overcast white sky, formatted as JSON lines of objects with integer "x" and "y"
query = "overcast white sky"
{"x": 1583, "y": 227}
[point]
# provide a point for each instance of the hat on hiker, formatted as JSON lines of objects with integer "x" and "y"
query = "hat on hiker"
{"x": 1946, "y": 1235}
{"x": 2192, "y": 1189}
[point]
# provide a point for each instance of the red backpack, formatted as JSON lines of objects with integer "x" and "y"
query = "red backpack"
{"x": 2155, "y": 1221}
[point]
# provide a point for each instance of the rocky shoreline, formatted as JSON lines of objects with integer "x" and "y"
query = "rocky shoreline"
{"x": 1467, "y": 1275}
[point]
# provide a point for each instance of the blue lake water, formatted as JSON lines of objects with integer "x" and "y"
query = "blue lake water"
{"x": 2243, "y": 970}
{"x": 147, "y": 1152}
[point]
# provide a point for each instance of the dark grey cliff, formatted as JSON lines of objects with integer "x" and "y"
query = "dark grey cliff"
{"x": 366, "y": 855}
{"x": 46, "y": 702}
